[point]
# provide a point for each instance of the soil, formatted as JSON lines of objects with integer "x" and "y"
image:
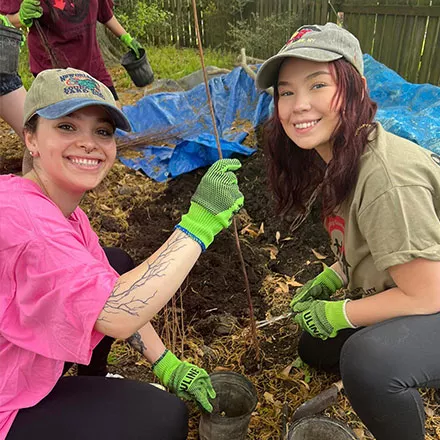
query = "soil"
{"x": 216, "y": 281}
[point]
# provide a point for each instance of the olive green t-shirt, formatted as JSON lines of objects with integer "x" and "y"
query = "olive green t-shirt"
{"x": 392, "y": 215}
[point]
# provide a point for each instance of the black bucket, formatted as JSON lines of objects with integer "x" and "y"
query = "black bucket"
{"x": 236, "y": 400}
{"x": 10, "y": 40}
{"x": 320, "y": 428}
{"x": 139, "y": 69}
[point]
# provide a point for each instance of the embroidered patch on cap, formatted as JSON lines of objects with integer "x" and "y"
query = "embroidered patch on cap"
{"x": 299, "y": 34}
{"x": 80, "y": 83}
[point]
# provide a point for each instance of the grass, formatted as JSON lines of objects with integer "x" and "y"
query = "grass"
{"x": 23, "y": 67}
{"x": 167, "y": 62}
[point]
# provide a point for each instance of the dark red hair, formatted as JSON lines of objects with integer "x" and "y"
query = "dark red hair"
{"x": 295, "y": 173}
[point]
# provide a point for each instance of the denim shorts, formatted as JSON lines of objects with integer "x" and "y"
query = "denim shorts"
{"x": 9, "y": 82}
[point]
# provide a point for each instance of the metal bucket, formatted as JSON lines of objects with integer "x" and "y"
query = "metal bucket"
{"x": 236, "y": 400}
{"x": 320, "y": 428}
{"x": 10, "y": 40}
{"x": 139, "y": 69}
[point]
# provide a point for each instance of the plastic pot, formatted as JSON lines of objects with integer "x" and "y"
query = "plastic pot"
{"x": 139, "y": 69}
{"x": 320, "y": 428}
{"x": 10, "y": 40}
{"x": 236, "y": 400}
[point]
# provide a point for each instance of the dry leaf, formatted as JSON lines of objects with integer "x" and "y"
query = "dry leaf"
{"x": 360, "y": 433}
{"x": 305, "y": 384}
{"x": 273, "y": 251}
{"x": 269, "y": 397}
{"x": 251, "y": 230}
{"x": 287, "y": 239}
{"x": 218, "y": 368}
{"x": 286, "y": 371}
{"x": 318, "y": 255}
{"x": 277, "y": 237}
{"x": 429, "y": 411}
{"x": 282, "y": 286}
{"x": 293, "y": 283}
{"x": 261, "y": 230}
{"x": 105, "y": 207}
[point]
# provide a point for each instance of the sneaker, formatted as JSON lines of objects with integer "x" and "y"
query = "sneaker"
{"x": 114, "y": 376}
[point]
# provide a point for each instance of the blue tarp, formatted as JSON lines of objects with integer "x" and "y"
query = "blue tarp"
{"x": 237, "y": 106}
{"x": 408, "y": 110}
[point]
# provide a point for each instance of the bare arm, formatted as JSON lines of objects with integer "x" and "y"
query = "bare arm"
{"x": 338, "y": 269}
{"x": 116, "y": 27}
{"x": 417, "y": 293}
{"x": 15, "y": 21}
{"x": 147, "y": 342}
{"x": 139, "y": 294}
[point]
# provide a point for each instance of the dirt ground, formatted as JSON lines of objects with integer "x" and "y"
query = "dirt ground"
{"x": 208, "y": 321}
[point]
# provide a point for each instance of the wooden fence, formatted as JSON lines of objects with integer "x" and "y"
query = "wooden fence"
{"x": 402, "y": 34}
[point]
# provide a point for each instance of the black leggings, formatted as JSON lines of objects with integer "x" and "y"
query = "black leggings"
{"x": 382, "y": 366}
{"x": 90, "y": 408}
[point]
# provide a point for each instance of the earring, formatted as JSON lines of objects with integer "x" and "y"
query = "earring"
{"x": 34, "y": 153}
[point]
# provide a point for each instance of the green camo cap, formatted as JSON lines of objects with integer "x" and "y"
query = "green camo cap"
{"x": 323, "y": 44}
{"x": 59, "y": 92}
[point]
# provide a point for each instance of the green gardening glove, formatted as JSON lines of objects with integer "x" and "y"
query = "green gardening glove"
{"x": 185, "y": 380}
{"x": 322, "y": 319}
{"x": 322, "y": 286}
{"x": 29, "y": 10}
{"x": 132, "y": 44}
{"x": 216, "y": 200}
{"x": 5, "y": 21}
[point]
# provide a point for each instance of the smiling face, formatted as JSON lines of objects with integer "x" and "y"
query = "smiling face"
{"x": 74, "y": 153}
{"x": 309, "y": 117}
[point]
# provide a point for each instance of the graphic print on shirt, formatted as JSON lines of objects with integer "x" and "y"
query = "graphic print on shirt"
{"x": 74, "y": 11}
{"x": 335, "y": 226}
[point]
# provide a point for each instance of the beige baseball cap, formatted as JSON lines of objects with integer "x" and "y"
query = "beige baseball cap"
{"x": 323, "y": 44}
{"x": 58, "y": 92}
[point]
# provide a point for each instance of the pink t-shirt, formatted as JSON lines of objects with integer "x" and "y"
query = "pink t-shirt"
{"x": 55, "y": 280}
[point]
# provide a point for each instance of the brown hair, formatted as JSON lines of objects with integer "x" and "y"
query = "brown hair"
{"x": 295, "y": 173}
{"x": 31, "y": 125}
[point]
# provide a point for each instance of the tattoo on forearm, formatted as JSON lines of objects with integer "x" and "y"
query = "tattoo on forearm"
{"x": 137, "y": 343}
{"x": 127, "y": 299}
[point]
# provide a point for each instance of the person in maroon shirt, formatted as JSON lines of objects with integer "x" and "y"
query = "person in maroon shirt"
{"x": 69, "y": 27}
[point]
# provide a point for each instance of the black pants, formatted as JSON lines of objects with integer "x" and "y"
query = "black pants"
{"x": 95, "y": 408}
{"x": 91, "y": 408}
{"x": 382, "y": 366}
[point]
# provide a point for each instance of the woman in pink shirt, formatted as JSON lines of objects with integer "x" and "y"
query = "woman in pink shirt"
{"x": 60, "y": 295}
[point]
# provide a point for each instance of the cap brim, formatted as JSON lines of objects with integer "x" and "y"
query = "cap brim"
{"x": 267, "y": 75}
{"x": 64, "y": 108}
